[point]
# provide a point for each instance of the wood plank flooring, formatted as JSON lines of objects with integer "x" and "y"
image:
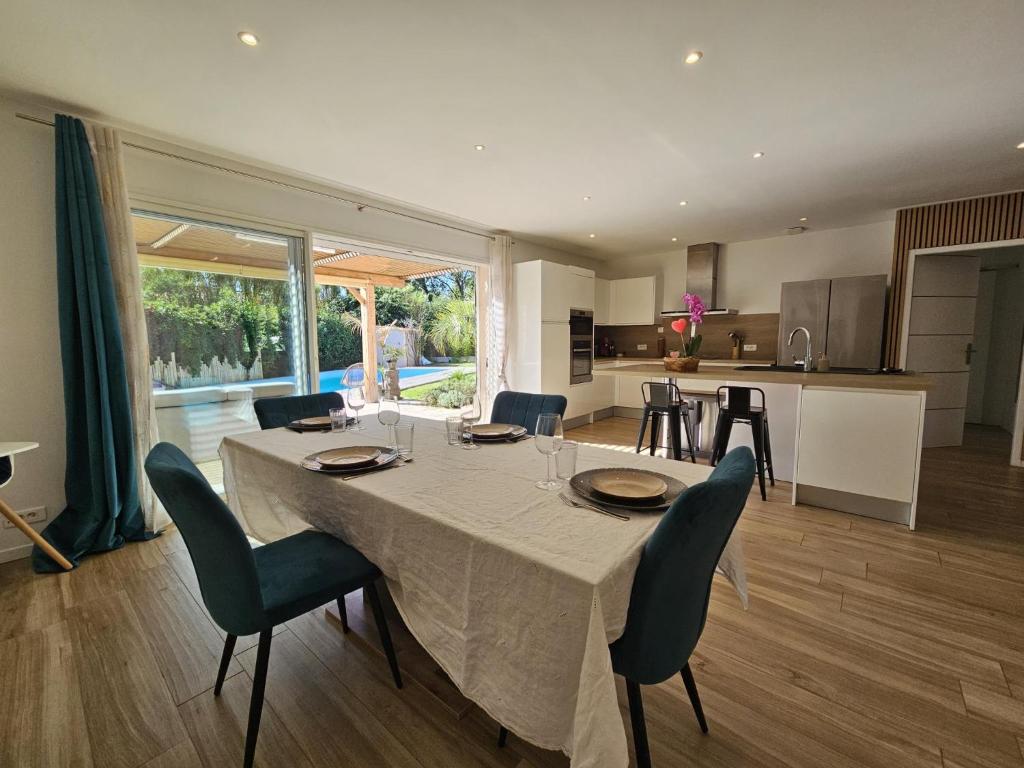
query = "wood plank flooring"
{"x": 864, "y": 645}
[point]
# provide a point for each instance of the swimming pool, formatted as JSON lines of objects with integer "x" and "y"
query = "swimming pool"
{"x": 331, "y": 380}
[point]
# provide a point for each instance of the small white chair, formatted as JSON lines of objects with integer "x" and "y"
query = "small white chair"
{"x": 7, "y": 452}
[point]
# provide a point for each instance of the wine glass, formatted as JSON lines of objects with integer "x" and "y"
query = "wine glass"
{"x": 471, "y": 414}
{"x": 356, "y": 401}
{"x": 388, "y": 415}
{"x": 548, "y": 439}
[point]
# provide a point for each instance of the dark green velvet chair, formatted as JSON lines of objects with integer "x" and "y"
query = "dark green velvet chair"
{"x": 672, "y": 586}
{"x": 523, "y": 408}
{"x": 273, "y": 412}
{"x": 249, "y": 591}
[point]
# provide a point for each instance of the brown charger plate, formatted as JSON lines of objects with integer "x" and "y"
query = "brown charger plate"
{"x": 496, "y": 432}
{"x": 351, "y": 457}
{"x": 313, "y": 464}
{"x": 581, "y": 484}
{"x": 312, "y": 424}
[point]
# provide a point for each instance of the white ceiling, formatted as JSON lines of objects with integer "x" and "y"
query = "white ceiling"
{"x": 861, "y": 107}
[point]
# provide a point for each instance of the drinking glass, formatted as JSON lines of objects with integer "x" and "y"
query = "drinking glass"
{"x": 548, "y": 439}
{"x": 403, "y": 438}
{"x": 565, "y": 459}
{"x": 471, "y": 414}
{"x": 356, "y": 401}
{"x": 339, "y": 417}
{"x": 453, "y": 429}
{"x": 388, "y": 415}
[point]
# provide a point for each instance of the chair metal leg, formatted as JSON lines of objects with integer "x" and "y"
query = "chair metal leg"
{"x": 768, "y": 451}
{"x": 259, "y": 684}
{"x": 382, "y": 629}
{"x": 636, "y": 715}
{"x": 691, "y": 689}
{"x": 503, "y": 736}
{"x": 720, "y": 442}
{"x": 675, "y": 417}
{"x": 225, "y": 660}
{"x": 643, "y": 430}
{"x": 655, "y": 431}
{"x": 757, "y": 429}
{"x": 343, "y": 614}
{"x": 688, "y": 428}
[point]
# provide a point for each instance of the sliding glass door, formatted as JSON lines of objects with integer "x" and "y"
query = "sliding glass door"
{"x": 226, "y": 320}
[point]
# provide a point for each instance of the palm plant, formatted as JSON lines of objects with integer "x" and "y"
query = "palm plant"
{"x": 454, "y": 327}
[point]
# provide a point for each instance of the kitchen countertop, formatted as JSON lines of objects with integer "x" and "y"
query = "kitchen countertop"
{"x": 656, "y": 360}
{"x": 906, "y": 382}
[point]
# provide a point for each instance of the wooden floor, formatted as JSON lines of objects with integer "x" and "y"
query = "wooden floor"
{"x": 864, "y": 645}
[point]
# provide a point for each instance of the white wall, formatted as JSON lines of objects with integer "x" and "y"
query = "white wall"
{"x": 31, "y": 389}
{"x": 751, "y": 273}
{"x": 526, "y": 250}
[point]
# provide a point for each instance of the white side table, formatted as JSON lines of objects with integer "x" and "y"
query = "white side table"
{"x": 7, "y": 452}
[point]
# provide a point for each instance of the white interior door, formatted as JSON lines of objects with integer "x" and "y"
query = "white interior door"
{"x": 941, "y": 338}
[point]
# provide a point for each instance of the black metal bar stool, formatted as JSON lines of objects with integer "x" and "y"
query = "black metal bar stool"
{"x": 738, "y": 407}
{"x": 666, "y": 401}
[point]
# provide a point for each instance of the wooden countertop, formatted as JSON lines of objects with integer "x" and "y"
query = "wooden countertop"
{"x": 911, "y": 382}
{"x": 656, "y": 360}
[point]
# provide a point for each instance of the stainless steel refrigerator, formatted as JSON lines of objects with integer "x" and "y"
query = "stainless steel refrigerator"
{"x": 845, "y": 315}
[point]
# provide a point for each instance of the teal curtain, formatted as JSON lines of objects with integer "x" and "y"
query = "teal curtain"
{"x": 103, "y": 507}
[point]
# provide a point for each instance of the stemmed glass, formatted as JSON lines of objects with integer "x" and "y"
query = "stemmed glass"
{"x": 356, "y": 401}
{"x": 388, "y": 415}
{"x": 471, "y": 414}
{"x": 548, "y": 439}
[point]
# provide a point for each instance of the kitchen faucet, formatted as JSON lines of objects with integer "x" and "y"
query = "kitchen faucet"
{"x": 808, "y": 360}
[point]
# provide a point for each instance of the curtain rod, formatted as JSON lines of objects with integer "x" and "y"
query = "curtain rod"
{"x": 287, "y": 185}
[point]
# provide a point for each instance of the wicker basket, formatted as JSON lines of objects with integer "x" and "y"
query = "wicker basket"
{"x": 681, "y": 364}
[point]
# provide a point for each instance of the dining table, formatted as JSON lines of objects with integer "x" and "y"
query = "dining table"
{"x": 513, "y": 593}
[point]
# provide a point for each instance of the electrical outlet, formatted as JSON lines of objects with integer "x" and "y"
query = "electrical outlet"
{"x": 750, "y": 347}
{"x": 661, "y": 329}
{"x": 33, "y": 515}
{"x": 641, "y": 347}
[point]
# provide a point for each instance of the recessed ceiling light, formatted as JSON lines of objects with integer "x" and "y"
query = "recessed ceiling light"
{"x": 249, "y": 39}
{"x": 592, "y": 235}
{"x": 758, "y": 155}
{"x": 682, "y": 202}
{"x": 1021, "y": 145}
{"x": 586, "y": 198}
{"x": 479, "y": 147}
{"x": 803, "y": 218}
{"x": 693, "y": 57}
{"x": 675, "y": 239}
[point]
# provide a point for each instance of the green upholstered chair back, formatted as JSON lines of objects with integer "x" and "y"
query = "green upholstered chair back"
{"x": 273, "y": 412}
{"x": 523, "y": 408}
{"x": 218, "y": 547}
{"x": 669, "y": 602}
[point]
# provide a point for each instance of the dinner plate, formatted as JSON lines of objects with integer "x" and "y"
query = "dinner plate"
{"x": 580, "y": 483}
{"x": 500, "y": 433}
{"x": 628, "y": 485}
{"x": 312, "y": 424}
{"x": 348, "y": 458}
{"x": 313, "y": 464}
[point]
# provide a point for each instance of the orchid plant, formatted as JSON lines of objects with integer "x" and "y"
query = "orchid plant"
{"x": 695, "y": 306}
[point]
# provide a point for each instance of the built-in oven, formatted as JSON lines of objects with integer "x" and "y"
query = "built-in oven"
{"x": 581, "y": 346}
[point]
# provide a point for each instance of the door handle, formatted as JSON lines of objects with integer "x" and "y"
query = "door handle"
{"x": 968, "y": 353}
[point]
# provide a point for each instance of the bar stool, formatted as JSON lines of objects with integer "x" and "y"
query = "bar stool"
{"x": 665, "y": 400}
{"x": 738, "y": 408}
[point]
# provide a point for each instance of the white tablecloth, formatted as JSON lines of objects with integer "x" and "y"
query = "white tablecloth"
{"x": 515, "y": 595}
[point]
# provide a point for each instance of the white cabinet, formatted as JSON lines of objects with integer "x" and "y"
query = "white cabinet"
{"x": 602, "y": 301}
{"x": 631, "y": 301}
{"x": 551, "y": 290}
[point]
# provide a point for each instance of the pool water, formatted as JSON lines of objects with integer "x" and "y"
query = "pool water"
{"x": 331, "y": 380}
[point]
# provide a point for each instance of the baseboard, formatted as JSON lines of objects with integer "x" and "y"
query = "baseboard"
{"x": 15, "y": 553}
{"x": 628, "y": 413}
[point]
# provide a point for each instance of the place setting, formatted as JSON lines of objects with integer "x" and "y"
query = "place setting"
{"x": 355, "y": 460}
{"x": 609, "y": 491}
{"x": 465, "y": 431}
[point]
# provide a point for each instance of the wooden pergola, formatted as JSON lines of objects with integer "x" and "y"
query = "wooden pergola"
{"x": 174, "y": 245}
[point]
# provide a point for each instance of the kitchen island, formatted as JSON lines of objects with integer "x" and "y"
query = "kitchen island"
{"x": 850, "y": 442}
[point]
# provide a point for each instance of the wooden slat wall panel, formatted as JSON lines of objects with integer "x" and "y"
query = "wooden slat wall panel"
{"x": 960, "y": 222}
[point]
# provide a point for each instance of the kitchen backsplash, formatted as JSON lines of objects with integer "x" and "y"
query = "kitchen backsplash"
{"x": 759, "y": 329}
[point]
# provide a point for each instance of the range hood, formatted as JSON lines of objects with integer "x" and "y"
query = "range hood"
{"x": 702, "y": 279}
